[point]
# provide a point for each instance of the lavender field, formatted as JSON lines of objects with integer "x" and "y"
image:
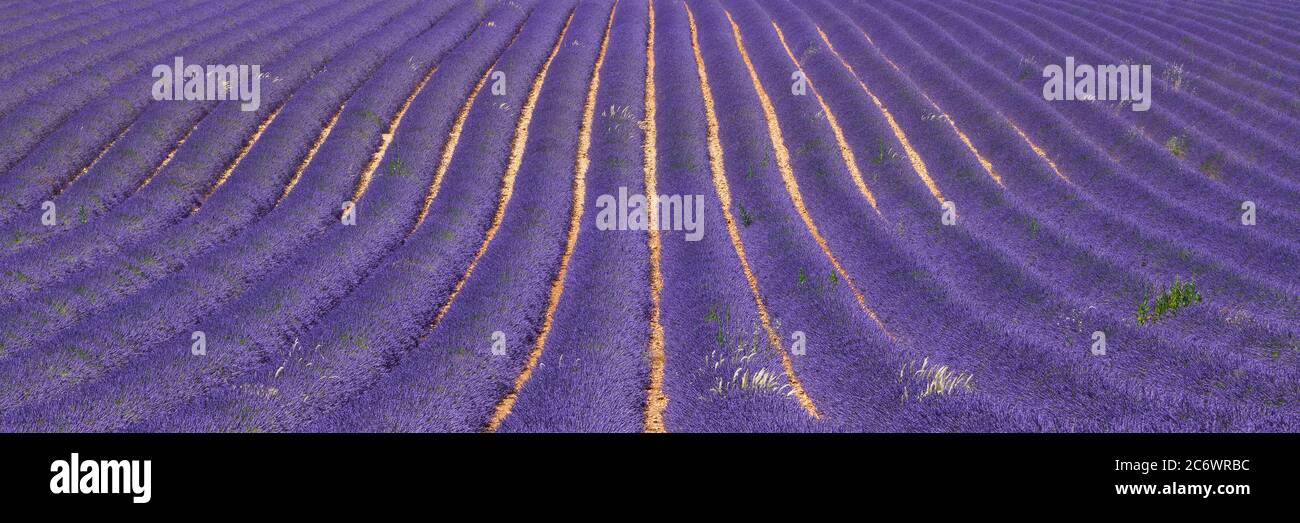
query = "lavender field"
{"x": 649, "y": 215}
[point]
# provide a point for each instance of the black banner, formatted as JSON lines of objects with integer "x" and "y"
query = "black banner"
{"x": 227, "y": 471}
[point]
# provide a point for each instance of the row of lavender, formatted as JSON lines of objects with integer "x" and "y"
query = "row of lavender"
{"x": 316, "y": 325}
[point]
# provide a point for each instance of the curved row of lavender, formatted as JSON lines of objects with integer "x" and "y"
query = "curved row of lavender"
{"x": 115, "y": 262}
{"x": 23, "y": 25}
{"x": 424, "y": 226}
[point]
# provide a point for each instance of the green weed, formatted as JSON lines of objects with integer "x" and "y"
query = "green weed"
{"x": 745, "y": 217}
{"x": 1177, "y": 145}
{"x": 1167, "y": 301}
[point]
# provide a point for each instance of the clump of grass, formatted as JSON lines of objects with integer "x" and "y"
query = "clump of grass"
{"x": 1177, "y": 145}
{"x": 370, "y": 116}
{"x": 1033, "y": 228}
{"x": 78, "y": 352}
{"x": 259, "y": 390}
{"x": 1212, "y": 166}
{"x": 884, "y": 153}
{"x": 617, "y": 162}
{"x": 397, "y": 167}
{"x": 356, "y": 340}
{"x": 1167, "y": 301}
{"x": 734, "y": 370}
{"x": 745, "y": 217}
{"x": 719, "y": 317}
{"x": 85, "y": 292}
{"x": 1275, "y": 347}
{"x": 1174, "y": 76}
{"x": 810, "y": 52}
{"x": 762, "y": 381}
{"x": 811, "y": 146}
{"x": 932, "y": 380}
{"x": 1027, "y": 67}
{"x": 622, "y": 121}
